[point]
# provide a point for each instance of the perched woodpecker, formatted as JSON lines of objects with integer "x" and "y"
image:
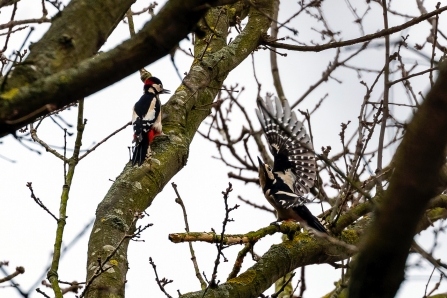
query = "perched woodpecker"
{"x": 146, "y": 119}
{"x": 294, "y": 166}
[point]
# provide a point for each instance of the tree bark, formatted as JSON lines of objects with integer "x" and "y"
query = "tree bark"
{"x": 30, "y": 96}
{"x": 419, "y": 161}
{"x": 136, "y": 187}
{"x": 75, "y": 34}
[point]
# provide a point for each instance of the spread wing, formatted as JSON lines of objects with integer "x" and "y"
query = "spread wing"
{"x": 295, "y": 153}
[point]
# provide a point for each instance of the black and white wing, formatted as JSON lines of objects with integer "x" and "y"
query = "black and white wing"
{"x": 294, "y": 153}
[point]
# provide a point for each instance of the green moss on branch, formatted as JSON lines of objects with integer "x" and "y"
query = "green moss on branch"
{"x": 136, "y": 187}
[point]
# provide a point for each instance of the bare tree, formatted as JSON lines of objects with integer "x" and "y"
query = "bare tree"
{"x": 371, "y": 209}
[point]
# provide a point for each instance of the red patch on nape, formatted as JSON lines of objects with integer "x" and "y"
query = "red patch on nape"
{"x": 148, "y": 82}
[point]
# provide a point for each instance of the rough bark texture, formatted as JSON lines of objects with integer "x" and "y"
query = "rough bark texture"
{"x": 20, "y": 106}
{"x": 75, "y": 34}
{"x": 136, "y": 187}
{"x": 301, "y": 251}
{"x": 280, "y": 259}
{"x": 419, "y": 161}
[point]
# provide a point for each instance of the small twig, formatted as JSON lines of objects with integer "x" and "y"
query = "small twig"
{"x": 104, "y": 140}
{"x": 19, "y": 270}
{"x": 386, "y": 92}
{"x": 411, "y": 76}
{"x": 129, "y": 16}
{"x": 179, "y": 201}
{"x": 45, "y": 145}
{"x": 38, "y": 290}
{"x": 335, "y": 241}
{"x": 101, "y": 269}
{"x": 55, "y": 112}
{"x": 436, "y": 285}
{"x": 47, "y": 107}
{"x": 435, "y": 40}
{"x": 275, "y": 295}
{"x": 437, "y": 263}
{"x": 428, "y": 281}
{"x": 161, "y": 283}
{"x": 38, "y": 201}
{"x": 302, "y": 281}
{"x": 240, "y": 259}
{"x": 15, "y": 59}
{"x": 365, "y": 38}
{"x": 262, "y": 207}
{"x": 149, "y": 9}
{"x": 12, "y": 24}
{"x": 72, "y": 288}
{"x": 65, "y": 156}
{"x": 225, "y": 193}
{"x": 130, "y": 22}
{"x": 208, "y": 40}
{"x": 246, "y": 180}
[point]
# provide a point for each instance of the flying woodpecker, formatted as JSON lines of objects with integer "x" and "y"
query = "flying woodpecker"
{"x": 146, "y": 119}
{"x": 294, "y": 166}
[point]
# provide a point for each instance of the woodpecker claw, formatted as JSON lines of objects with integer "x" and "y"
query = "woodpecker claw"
{"x": 275, "y": 223}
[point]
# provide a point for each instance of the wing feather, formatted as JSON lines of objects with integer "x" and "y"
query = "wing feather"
{"x": 289, "y": 153}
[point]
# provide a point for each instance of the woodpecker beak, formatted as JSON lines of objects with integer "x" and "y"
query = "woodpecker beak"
{"x": 165, "y": 91}
{"x": 261, "y": 163}
{"x": 262, "y": 173}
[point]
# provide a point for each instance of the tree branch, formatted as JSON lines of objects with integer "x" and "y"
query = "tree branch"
{"x": 64, "y": 45}
{"x": 282, "y": 258}
{"x": 136, "y": 187}
{"x": 176, "y": 19}
{"x": 367, "y": 37}
{"x": 419, "y": 160}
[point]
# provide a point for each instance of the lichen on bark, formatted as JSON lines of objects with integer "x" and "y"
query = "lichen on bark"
{"x": 199, "y": 87}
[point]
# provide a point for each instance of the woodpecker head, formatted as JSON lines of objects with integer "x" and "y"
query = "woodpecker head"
{"x": 156, "y": 85}
{"x": 266, "y": 176}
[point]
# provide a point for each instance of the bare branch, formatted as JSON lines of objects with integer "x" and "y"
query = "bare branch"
{"x": 365, "y": 38}
{"x": 19, "y": 270}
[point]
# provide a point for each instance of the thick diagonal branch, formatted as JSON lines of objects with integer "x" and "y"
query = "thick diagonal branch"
{"x": 64, "y": 45}
{"x": 176, "y": 20}
{"x": 136, "y": 187}
{"x": 419, "y": 161}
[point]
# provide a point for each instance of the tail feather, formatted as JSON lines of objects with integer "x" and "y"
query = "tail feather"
{"x": 310, "y": 220}
{"x": 316, "y": 224}
{"x": 140, "y": 151}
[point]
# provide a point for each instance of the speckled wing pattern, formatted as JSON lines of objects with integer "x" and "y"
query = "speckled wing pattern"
{"x": 295, "y": 153}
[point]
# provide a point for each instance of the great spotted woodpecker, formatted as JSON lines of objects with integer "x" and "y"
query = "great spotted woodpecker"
{"x": 146, "y": 119}
{"x": 293, "y": 172}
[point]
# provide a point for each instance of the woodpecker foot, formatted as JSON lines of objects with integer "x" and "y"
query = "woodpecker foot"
{"x": 153, "y": 160}
{"x": 275, "y": 223}
{"x": 149, "y": 153}
{"x": 163, "y": 137}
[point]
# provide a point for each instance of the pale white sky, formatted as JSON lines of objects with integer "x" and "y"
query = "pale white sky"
{"x": 27, "y": 232}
